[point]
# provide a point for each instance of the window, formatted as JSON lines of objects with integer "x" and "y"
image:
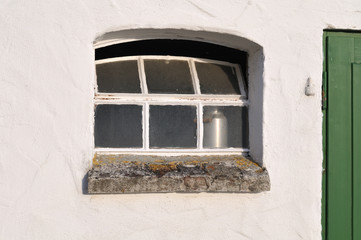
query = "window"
{"x": 172, "y": 116}
{"x": 157, "y": 103}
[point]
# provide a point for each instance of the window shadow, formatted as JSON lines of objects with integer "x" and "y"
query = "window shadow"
{"x": 85, "y": 184}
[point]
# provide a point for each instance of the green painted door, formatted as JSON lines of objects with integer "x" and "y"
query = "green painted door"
{"x": 342, "y": 188}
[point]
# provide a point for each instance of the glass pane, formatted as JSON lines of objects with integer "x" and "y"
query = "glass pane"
{"x": 217, "y": 79}
{"x": 172, "y": 127}
{"x": 118, "y": 126}
{"x": 225, "y": 127}
{"x": 118, "y": 77}
{"x": 165, "y": 76}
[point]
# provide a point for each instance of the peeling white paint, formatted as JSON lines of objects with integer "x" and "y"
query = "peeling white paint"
{"x": 46, "y": 109}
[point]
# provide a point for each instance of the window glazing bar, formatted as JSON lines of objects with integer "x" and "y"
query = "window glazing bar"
{"x": 143, "y": 81}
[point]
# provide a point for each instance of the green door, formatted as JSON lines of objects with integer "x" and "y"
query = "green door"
{"x": 342, "y": 179}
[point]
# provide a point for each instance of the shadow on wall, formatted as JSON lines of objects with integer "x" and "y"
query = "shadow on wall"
{"x": 255, "y": 69}
{"x": 85, "y": 184}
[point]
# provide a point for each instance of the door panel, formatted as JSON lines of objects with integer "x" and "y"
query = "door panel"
{"x": 356, "y": 109}
{"x": 343, "y": 136}
{"x": 339, "y": 167}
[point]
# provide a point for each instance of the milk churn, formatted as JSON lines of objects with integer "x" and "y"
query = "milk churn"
{"x": 215, "y": 130}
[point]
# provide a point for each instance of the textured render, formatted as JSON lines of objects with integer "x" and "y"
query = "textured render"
{"x": 159, "y": 174}
{"x": 46, "y": 118}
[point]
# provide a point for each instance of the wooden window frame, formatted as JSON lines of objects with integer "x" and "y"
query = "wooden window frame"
{"x": 197, "y": 99}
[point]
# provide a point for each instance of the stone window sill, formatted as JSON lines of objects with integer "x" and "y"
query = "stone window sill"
{"x": 125, "y": 173}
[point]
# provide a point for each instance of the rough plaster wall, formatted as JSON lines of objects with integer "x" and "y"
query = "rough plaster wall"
{"x": 46, "y": 82}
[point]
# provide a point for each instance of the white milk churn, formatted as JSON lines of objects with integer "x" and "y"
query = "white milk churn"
{"x": 215, "y": 130}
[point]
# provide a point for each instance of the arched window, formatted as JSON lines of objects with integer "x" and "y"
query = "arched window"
{"x": 171, "y": 96}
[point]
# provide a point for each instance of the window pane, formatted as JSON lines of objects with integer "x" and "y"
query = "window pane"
{"x": 217, "y": 79}
{"x": 118, "y": 126}
{"x": 172, "y": 127}
{"x": 225, "y": 127}
{"x": 168, "y": 76}
{"x": 118, "y": 77}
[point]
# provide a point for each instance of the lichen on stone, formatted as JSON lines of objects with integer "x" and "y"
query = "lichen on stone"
{"x": 138, "y": 173}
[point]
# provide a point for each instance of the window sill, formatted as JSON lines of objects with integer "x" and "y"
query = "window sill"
{"x": 126, "y": 173}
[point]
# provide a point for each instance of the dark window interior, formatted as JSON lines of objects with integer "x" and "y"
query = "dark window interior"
{"x": 171, "y": 47}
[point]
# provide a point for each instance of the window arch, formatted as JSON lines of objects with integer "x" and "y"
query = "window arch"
{"x": 254, "y": 65}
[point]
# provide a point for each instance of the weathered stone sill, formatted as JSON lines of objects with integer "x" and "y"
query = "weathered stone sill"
{"x": 163, "y": 174}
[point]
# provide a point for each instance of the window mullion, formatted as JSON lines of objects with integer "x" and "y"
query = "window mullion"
{"x": 197, "y": 88}
{"x": 142, "y": 76}
{"x": 241, "y": 81}
{"x": 200, "y": 126}
{"x": 146, "y": 126}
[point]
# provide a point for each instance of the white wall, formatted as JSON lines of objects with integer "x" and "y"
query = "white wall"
{"x": 46, "y": 109}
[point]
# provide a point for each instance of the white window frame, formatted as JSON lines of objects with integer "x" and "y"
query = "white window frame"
{"x": 197, "y": 99}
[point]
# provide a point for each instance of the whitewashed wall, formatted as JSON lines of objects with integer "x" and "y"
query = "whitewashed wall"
{"x": 46, "y": 109}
